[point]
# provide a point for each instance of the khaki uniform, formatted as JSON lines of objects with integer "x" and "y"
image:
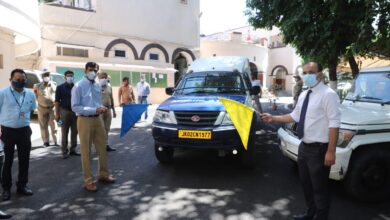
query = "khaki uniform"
{"x": 45, "y": 98}
{"x": 107, "y": 101}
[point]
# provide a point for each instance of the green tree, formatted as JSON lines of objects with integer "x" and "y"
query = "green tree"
{"x": 325, "y": 30}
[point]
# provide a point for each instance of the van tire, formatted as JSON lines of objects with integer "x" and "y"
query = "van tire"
{"x": 368, "y": 177}
{"x": 165, "y": 156}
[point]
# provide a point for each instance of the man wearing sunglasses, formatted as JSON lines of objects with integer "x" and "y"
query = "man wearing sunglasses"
{"x": 318, "y": 116}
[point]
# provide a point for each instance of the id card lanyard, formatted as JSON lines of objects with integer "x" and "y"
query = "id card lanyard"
{"x": 21, "y": 114}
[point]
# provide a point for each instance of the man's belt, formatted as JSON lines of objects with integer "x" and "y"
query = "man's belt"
{"x": 316, "y": 144}
{"x": 89, "y": 116}
{"x": 41, "y": 106}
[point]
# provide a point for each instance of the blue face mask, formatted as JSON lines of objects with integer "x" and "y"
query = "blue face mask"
{"x": 310, "y": 79}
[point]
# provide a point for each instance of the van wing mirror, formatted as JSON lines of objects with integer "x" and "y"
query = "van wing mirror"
{"x": 169, "y": 90}
{"x": 255, "y": 90}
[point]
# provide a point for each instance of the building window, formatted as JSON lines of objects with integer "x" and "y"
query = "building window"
{"x": 1, "y": 61}
{"x": 184, "y": 2}
{"x": 72, "y": 52}
{"x": 120, "y": 53}
{"x": 153, "y": 56}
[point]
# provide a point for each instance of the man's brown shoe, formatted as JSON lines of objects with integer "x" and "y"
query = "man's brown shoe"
{"x": 107, "y": 179}
{"x": 91, "y": 187}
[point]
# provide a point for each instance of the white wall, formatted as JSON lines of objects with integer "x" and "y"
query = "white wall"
{"x": 7, "y": 49}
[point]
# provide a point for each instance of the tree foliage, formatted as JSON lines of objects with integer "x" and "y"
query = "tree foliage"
{"x": 327, "y": 30}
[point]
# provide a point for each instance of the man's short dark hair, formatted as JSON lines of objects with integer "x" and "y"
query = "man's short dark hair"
{"x": 17, "y": 71}
{"x": 125, "y": 79}
{"x": 68, "y": 72}
{"x": 103, "y": 73}
{"x": 90, "y": 64}
{"x": 319, "y": 66}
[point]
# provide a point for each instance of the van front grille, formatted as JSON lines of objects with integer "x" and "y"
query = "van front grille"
{"x": 206, "y": 118}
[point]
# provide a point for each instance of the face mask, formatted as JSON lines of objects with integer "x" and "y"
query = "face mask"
{"x": 103, "y": 82}
{"x": 91, "y": 75}
{"x": 310, "y": 79}
{"x": 18, "y": 84}
{"x": 142, "y": 80}
{"x": 46, "y": 79}
{"x": 69, "y": 79}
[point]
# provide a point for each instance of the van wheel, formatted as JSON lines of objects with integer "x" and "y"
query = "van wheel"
{"x": 163, "y": 154}
{"x": 368, "y": 178}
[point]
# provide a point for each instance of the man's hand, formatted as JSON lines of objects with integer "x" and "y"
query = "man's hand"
{"x": 330, "y": 158}
{"x": 122, "y": 104}
{"x": 114, "y": 115}
{"x": 101, "y": 110}
{"x": 266, "y": 117}
{"x": 57, "y": 117}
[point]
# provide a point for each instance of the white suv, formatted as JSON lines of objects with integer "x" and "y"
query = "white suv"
{"x": 363, "y": 149}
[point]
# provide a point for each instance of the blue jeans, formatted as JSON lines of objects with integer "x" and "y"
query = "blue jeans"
{"x": 143, "y": 100}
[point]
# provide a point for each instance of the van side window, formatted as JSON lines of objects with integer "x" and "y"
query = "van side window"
{"x": 31, "y": 80}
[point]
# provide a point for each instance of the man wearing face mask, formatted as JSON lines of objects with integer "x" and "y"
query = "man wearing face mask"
{"x": 143, "y": 90}
{"x": 87, "y": 103}
{"x": 45, "y": 93}
{"x": 65, "y": 116}
{"x": 318, "y": 115}
{"x": 108, "y": 102}
{"x": 16, "y": 105}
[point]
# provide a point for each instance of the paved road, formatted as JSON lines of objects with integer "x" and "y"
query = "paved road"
{"x": 199, "y": 185}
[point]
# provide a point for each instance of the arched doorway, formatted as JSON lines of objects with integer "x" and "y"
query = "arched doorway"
{"x": 279, "y": 74}
{"x": 181, "y": 65}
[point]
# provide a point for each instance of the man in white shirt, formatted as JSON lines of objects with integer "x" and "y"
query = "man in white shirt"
{"x": 143, "y": 91}
{"x": 318, "y": 115}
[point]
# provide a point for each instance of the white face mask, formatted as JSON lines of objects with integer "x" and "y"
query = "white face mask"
{"x": 103, "y": 82}
{"x": 46, "y": 79}
{"x": 69, "y": 79}
{"x": 91, "y": 75}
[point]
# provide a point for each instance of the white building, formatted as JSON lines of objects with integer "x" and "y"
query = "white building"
{"x": 19, "y": 33}
{"x": 275, "y": 62}
{"x": 125, "y": 37}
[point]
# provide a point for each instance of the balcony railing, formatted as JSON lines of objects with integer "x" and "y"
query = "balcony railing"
{"x": 84, "y": 5}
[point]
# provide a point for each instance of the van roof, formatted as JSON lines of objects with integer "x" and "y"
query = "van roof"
{"x": 376, "y": 69}
{"x": 222, "y": 63}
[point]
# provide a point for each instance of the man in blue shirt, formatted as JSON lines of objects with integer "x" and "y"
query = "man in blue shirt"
{"x": 87, "y": 103}
{"x": 16, "y": 104}
{"x": 143, "y": 90}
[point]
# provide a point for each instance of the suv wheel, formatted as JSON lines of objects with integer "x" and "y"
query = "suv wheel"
{"x": 163, "y": 154}
{"x": 369, "y": 175}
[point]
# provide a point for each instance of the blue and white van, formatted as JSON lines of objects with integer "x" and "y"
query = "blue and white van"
{"x": 194, "y": 117}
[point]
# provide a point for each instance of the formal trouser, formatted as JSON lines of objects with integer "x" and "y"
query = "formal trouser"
{"x": 21, "y": 137}
{"x": 107, "y": 117}
{"x": 314, "y": 176}
{"x": 91, "y": 131}
{"x": 143, "y": 100}
{"x": 69, "y": 120}
{"x": 46, "y": 118}
{"x": 256, "y": 99}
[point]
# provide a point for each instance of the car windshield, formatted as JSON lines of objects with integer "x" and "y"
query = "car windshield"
{"x": 371, "y": 87}
{"x": 59, "y": 79}
{"x": 214, "y": 82}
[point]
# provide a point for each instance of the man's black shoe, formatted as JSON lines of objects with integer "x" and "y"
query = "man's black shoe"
{"x": 4, "y": 215}
{"x": 56, "y": 145}
{"x": 303, "y": 216}
{"x": 65, "y": 156}
{"x": 46, "y": 144}
{"x": 110, "y": 148}
{"x": 25, "y": 191}
{"x": 74, "y": 153}
{"x": 6, "y": 195}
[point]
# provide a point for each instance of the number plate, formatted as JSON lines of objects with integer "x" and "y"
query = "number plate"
{"x": 206, "y": 135}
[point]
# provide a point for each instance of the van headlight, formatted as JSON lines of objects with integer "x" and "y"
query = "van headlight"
{"x": 163, "y": 117}
{"x": 345, "y": 136}
{"x": 227, "y": 120}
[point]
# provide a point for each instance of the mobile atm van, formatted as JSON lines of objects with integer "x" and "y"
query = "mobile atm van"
{"x": 193, "y": 117}
{"x": 363, "y": 149}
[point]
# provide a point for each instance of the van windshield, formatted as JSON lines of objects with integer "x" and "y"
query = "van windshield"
{"x": 214, "y": 82}
{"x": 371, "y": 87}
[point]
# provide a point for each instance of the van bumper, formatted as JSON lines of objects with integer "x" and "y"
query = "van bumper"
{"x": 222, "y": 137}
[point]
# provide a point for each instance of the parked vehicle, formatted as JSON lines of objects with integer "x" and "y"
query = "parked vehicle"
{"x": 194, "y": 117}
{"x": 363, "y": 149}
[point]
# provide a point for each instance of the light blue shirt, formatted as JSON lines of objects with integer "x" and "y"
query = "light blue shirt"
{"x": 143, "y": 88}
{"x": 16, "y": 107}
{"x": 86, "y": 97}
